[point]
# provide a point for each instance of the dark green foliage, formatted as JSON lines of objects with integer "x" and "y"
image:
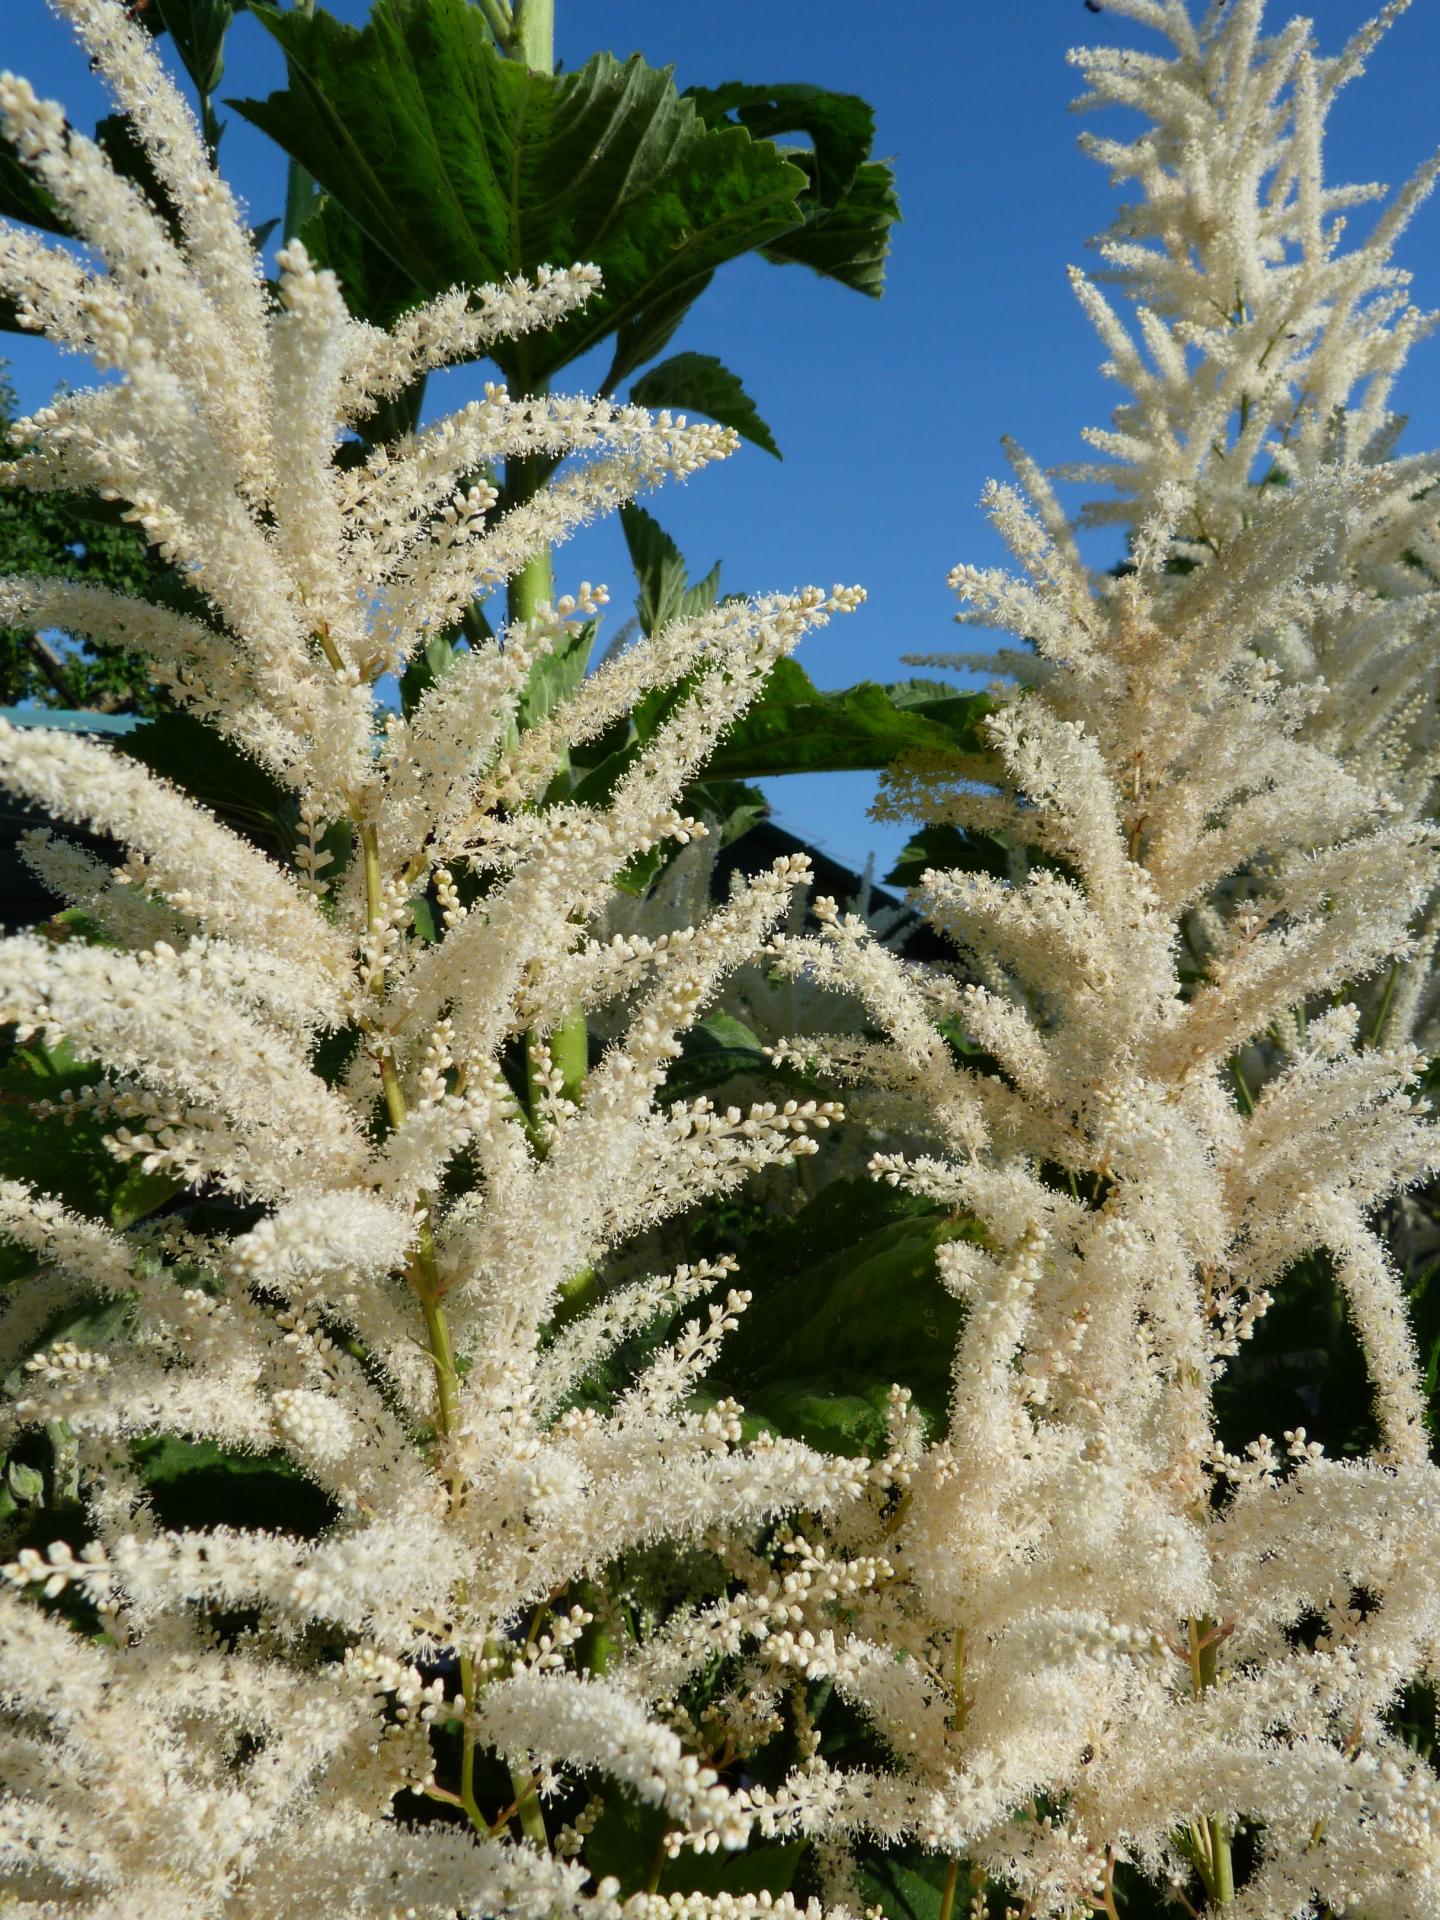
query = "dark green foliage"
{"x": 795, "y": 727}
{"x": 235, "y": 788}
{"x": 190, "y": 1481}
{"x": 949, "y": 849}
{"x": 699, "y": 383}
{"x": 60, "y": 1157}
{"x": 464, "y": 167}
{"x": 663, "y": 589}
{"x": 67, "y": 536}
{"x": 849, "y": 206}
{"x": 847, "y": 1302}
{"x": 198, "y": 28}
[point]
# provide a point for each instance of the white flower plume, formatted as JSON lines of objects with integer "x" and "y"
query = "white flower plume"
{"x": 381, "y": 1311}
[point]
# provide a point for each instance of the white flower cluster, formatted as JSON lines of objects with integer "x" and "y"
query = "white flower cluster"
{"x": 385, "y": 1317}
{"x": 1085, "y": 1634}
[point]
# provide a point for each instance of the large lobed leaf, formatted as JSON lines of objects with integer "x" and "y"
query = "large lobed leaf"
{"x": 795, "y": 727}
{"x": 849, "y": 205}
{"x": 463, "y": 167}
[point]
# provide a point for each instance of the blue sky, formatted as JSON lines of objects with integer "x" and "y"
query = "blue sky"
{"x": 889, "y": 413}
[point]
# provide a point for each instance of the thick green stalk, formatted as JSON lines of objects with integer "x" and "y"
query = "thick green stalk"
{"x": 299, "y": 183}
{"x": 532, "y": 39}
{"x": 1211, "y": 1836}
{"x": 534, "y": 34}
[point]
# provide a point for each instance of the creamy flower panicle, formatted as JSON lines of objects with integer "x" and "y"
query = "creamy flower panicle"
{"x": 396, "y": 1346}
{"x": 1087, "y": 1634}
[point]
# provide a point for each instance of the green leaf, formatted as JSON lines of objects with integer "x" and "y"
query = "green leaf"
{"x": 465, "y": 167}
{"x": 906, "y": 1884}
{"x": 847, "y": 1302}
{"x": 140, "y": 1194}
{"x": 68, "y": 1161}
{"x": 714, "y": 1051}
{"x": 703, "y": 384}
{"x": 376, "y": 288}
{"x": 841, "y": 126}
{"x": 93, "y": 1325}
{"x": 555, "y": 676}
{"x": 624, "y": 1841}
{"x": 628, "y": 1836}
{"x": 831, "y": 1418}
{"x": 849, "y": 205}
{"x": 794, "y": 727}
{"x": 122, "y": 147}
{"x": 663, "y": 582}
{"x": 190, "y": 1481}
{"x": 952, "y": 848}
{"x": 851, "y": 242}
{"x": 198, "y": 28}
{"x": 432, "y": 663}
{"x": 646, "y": 333}
{"x": 23, "y": 198}
{"x": 184, "y": 750}
{"x": 27, "y": 1484}
{"x": 729, "y": 807}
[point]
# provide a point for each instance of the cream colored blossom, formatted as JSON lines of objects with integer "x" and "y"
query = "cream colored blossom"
{"x": 382, "y": 1311}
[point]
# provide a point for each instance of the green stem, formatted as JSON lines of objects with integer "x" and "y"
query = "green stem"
{"x": 1212, "y": 1835}
{"x": 467, "y": 1747}
{"x": 947, "y": 1897}
{"x": 657, "y": 1867}
{"x": 299, "y": 182}
{"x": 501, "y": 22}
{"x": 534, "y": 34}
{"x": 210, "y": 127}
{"x": 1384, "y": 1014}
{"x": 421, "y": 1271}
{"x": 528, "y": 1810}
{"x": 534, "y": 585}
{"x": 1247, "y": 1099}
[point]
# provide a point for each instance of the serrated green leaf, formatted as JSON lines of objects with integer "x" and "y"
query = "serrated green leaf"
{"x": 952, "y": 848}
{"x": 650, "y": 331}
{"x": 555, "y": 676}
{"x": 661, "y": 577}
{"x": 849, "y": 204}
{"x": 466, "y": 167}
{"x": 702, "y": 384}
{"x": 198, "y": 28}
{"x": 795, "y": 727}
{"x": 849, "y": 242}
{"x": 841, "y": 126}
{"x": 847, "y": 1303}
{"x": 376, "y": 288}
{"x": 729, "y": 807}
